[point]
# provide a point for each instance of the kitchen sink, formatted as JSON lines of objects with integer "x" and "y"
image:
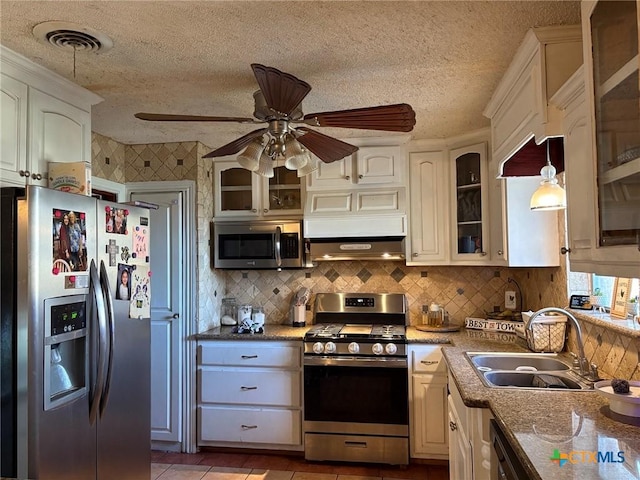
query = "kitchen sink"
{"x": 493, "y": 361}
{"x": 531, "y": 380}
{"x": 526, "y": 370}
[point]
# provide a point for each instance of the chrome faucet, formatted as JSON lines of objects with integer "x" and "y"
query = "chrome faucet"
{"x": 588, "y": 371}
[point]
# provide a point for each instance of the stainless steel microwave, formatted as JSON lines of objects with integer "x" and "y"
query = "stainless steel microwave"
{"x": 259, "y": 244}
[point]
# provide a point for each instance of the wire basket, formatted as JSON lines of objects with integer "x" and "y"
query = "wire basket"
{"x": 547, "y": 335}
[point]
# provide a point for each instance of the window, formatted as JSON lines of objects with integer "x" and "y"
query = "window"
{"x": 602, "y": 289}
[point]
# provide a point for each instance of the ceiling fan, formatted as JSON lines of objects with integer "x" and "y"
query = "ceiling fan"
{"x": 278, "y": 104}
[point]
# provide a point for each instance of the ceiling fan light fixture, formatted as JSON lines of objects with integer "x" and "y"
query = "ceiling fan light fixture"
{"x": 250, "y": 158}
{"x": 310, "y": 167}
{"x": 265, "y": 165}
{"x": 295, "y": 157}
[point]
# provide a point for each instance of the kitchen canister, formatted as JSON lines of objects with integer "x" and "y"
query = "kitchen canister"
{"x": 244, "y": 313}
{"x": 229, "y": 311}
{"x": 258, "y": 316}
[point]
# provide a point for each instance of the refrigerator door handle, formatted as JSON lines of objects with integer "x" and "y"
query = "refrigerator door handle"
{"x": 110, "y": 320}
{"x": 98, "y": 298}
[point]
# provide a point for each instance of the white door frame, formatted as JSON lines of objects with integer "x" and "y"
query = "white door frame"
{"x": 188, "y": 189}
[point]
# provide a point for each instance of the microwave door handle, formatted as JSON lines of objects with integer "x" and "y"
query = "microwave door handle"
{"x": 278, "y": 255}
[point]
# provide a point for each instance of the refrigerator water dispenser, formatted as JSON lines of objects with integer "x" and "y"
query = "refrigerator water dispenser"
{"x": 65, "y": 350}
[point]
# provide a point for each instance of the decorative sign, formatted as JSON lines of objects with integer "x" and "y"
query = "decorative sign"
{"x": 620, "y": 297}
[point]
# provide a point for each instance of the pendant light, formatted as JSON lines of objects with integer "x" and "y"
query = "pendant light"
{"x": 549, "y": 195}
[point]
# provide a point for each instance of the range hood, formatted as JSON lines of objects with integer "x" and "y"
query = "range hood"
{"x": 378, "y": 248}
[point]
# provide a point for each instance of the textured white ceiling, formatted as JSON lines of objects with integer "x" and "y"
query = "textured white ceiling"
{"x": 443, "y": 58}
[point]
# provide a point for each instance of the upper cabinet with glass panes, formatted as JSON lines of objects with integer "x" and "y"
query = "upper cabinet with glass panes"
{"x": 613, "y": 30}
{"x": 241, "y": 193}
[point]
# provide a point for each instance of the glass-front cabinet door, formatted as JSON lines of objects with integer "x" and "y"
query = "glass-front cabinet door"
{"x": 284, "y": 193}
{"x": 616, "y": 85}
{"x": 235, "y": 190}
{"x": 241, "y": 193}
{"x": 469, "y": 172}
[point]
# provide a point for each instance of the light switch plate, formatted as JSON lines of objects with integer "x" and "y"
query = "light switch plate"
{"x": 510, "y": 300}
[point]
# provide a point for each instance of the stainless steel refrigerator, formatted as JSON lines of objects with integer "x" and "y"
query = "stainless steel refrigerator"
{"x": 75, "y": 338}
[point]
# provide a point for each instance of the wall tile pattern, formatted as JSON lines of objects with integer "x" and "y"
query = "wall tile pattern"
{"x": 108, "y": 158}
{"x": 211, "y": 283}
{"x": 161, "y": 162}
{"x": 464, "y": 291}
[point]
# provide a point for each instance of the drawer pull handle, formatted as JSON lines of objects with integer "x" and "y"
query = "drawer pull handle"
{"x": 248, "y": 388}
{"x": 356, "y": 444}
{"x": 249, "y": 427}
{"x": 453, "y": 426}
{"x": 428, "y": 362}
{"x": 245, "y": 357}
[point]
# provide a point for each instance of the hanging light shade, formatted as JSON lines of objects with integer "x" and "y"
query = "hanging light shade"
{"x": 295, "y": 157}
{"x": 250, "y": 158}
{"x": 310, "y": 167}
{"x": 265, "y": 166}
{"x": 549, "y": 195}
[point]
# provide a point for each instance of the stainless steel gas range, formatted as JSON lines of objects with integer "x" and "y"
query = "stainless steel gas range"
{"x": 355, "y": 379}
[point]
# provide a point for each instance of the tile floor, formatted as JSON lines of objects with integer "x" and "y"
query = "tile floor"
{"x": 239, "y": 466}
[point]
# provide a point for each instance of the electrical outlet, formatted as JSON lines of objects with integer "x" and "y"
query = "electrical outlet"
{"x": 510, "y": 300}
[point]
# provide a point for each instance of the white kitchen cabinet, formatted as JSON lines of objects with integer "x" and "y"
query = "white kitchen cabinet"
{"x": 602, "y": 143}
{"x": 519, "y": 108}
{"x": 429, "y": 204}
{"x": 469, "y": 203}
{"x": 449, "y": 202}
{"x": 460, "y": 453}
{"x": 370, "y": 165}
{"x": 358, "y": 196}
{"x": 250, "y": 394}
{"x": 45, "y": 118}
{"x": 244, "y": 194}
{"x": 428, "y": 404}
{"x": 469, "y": 442}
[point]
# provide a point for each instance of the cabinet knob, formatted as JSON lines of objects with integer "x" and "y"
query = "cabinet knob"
{"x": 176, "y": 316}
{"x": 565, "y": 250}
{"x": 266, "y": 210}
{"x": 348, "y": 177}
{"x": 483, "y": 254}
{"x": 360, "y": 177}
{"x": 25, "y": 173}
{"x": 254, "y": 210}
{"x": 414, "y": 254}
{"x": 500, "y": 252}
{"x": 453, "y": 426}
{"x": 36, "y": 176}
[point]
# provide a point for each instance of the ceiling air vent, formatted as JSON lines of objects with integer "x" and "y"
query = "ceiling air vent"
{"x": 72, "y": 36}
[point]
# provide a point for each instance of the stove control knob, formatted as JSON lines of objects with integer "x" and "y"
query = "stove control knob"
{"x": 318, "y": 347}
{"x": 354, "y": 347}
{"x": 391, "y": 348}
{"x": 377, "y": 349}
{"x": 330, "y": 347}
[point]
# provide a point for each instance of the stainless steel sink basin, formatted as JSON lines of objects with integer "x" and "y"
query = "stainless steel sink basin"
{"x": 532, "y": 380}
{"x": 526, "y": 370}
{"x": 518, "y": 362}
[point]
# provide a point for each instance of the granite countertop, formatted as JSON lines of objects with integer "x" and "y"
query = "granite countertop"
{"x": 536, "y": 422}
{"x": 271, "y": 332}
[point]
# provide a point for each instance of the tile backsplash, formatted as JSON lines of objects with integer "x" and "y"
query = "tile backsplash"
{"x": 464, "y": 291}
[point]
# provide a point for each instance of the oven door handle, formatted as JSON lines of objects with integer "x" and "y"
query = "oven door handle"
{"x": 348, "y": 361}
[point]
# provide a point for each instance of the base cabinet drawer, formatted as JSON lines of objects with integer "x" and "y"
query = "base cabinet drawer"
{"x": 249, "y": 425}
{"x": 270, "y": 388}
{"x": 249, "y": 355}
